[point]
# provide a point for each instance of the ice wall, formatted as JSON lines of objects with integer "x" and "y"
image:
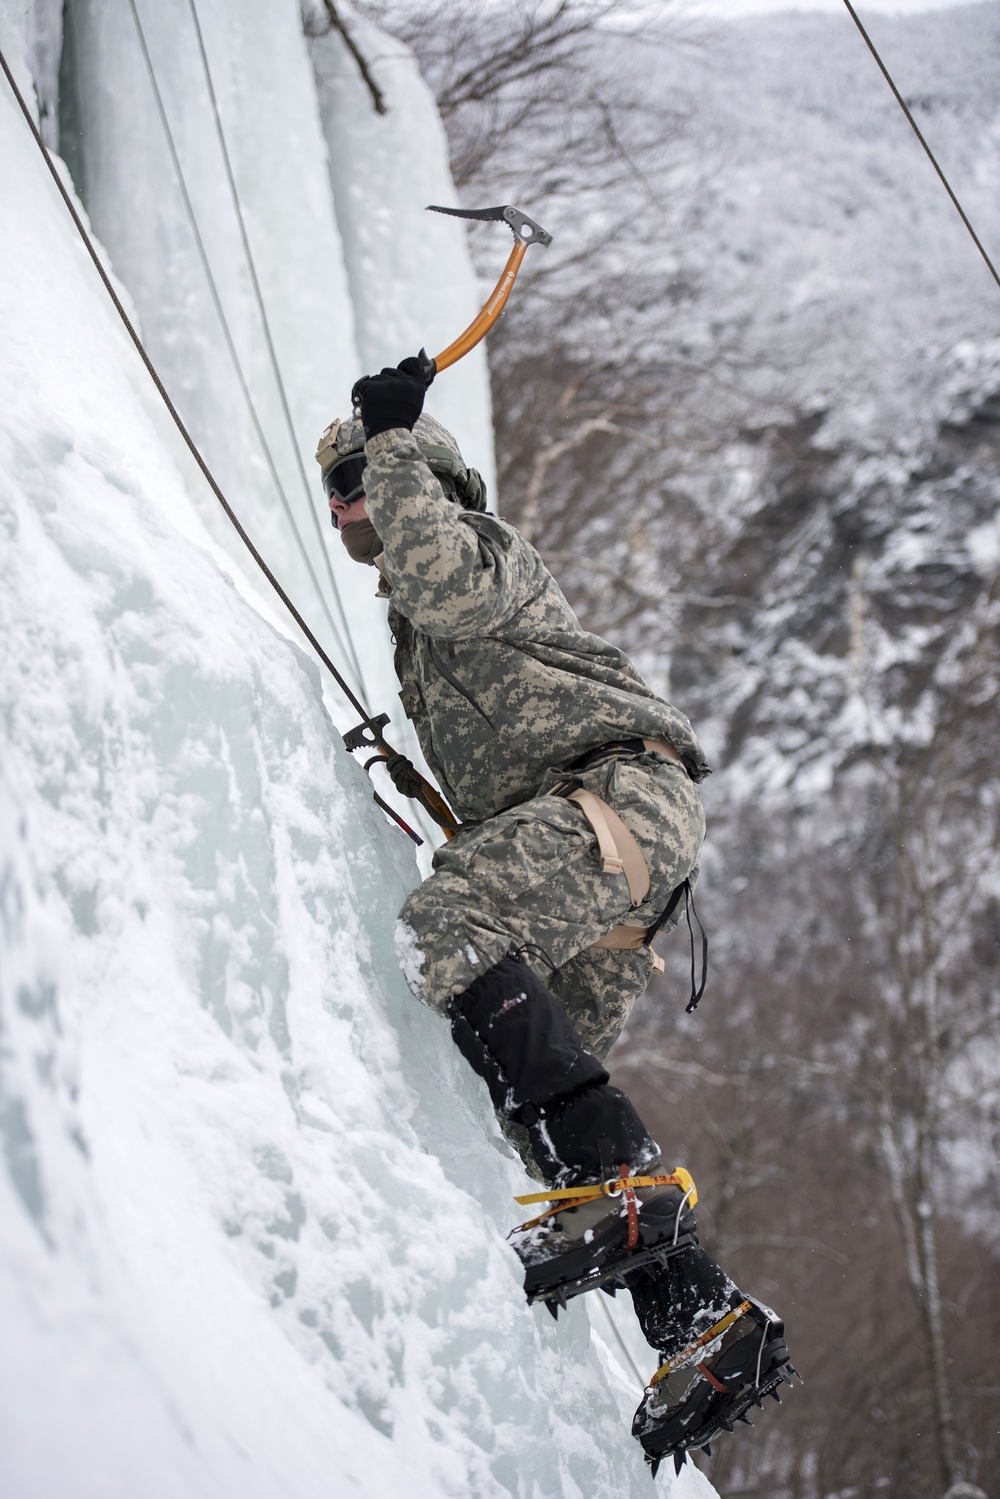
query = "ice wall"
{"x": 410, "y": 276}
{"x": 252, "y": 57}
{"x": 251, "y": 1205}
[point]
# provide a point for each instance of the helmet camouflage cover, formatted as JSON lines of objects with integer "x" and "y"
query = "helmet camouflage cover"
{"x": 440, "y": 449}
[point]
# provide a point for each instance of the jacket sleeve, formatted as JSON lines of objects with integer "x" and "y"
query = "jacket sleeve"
{"x": 453, "y": 575}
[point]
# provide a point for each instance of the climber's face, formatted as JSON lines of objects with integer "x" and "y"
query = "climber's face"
{"x": 345, "y": 511}
{"x": 344, "y": 487}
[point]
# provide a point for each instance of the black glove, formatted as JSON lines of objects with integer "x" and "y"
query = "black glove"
{"x": 394, "y": 398}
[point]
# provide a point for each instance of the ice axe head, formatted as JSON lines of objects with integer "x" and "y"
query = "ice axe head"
{"x": 521, "y": 225}
{"x": 526, "y": 232}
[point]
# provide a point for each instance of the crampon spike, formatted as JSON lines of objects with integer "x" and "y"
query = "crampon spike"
{"x": 680, "y": 1458}
{"x": 550, "y": 1306}
{"x": 707, "y": 1449}
{"x": 609, "y": 1289}
{"x": 745, "y": 1419}
{"x": 654, "y": 1463}
{"x": 774, "y": 1395}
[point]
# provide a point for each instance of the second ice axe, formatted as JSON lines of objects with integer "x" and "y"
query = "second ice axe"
{"x": 526, "y": 232}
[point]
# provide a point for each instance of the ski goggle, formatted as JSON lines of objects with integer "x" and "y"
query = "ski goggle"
{"x": 345, "y": 480}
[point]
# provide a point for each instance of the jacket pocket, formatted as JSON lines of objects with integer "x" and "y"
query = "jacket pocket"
{"x": 411, "y": 699}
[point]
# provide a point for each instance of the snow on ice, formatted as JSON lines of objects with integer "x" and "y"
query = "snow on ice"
{"x": 252, "y": 1207}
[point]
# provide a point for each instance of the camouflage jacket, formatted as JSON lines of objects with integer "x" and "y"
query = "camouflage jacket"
{"x": 500, "y": 679}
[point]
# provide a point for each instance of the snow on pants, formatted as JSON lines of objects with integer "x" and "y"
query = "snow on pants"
{"x": 531, "y": 875}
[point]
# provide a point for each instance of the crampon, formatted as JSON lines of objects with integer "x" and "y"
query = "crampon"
{"x": 710, "y": 1385}
{"x": 597, "y": 1243}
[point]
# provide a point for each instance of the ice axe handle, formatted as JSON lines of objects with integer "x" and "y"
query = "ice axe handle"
{"x": 481, "y": 325}
{"x": 526, "y": 232}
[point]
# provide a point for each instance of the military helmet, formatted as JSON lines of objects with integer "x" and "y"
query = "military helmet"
{"x": 346, "y": 440}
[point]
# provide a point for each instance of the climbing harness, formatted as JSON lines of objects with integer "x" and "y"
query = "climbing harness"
{"x": 919, "y": 134}
{"x": 619, "y": 853}
{"x": 193, "y": 447}
{"x": 617, "y": 850}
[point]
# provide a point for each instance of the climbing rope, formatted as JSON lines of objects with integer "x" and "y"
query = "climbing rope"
{"x": 919, "y": 134}
{"x": 269, "y": 341}
{"x": 431, "y": 800}
{"x": 238, "y": 366}
{"x": 602, "y": 1302}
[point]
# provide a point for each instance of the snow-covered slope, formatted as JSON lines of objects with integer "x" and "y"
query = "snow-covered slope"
{"x": 251, "y": 1204}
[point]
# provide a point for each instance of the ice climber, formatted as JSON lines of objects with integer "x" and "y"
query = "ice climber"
{"x": 577, "y": 790}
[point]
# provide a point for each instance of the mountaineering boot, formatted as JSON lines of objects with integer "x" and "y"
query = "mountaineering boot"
{"x": 601, "y": 1233}
{"x": 583, "y": 1137}
{"x": 674, "y": 1303}
{"x": 711, "y": 1383}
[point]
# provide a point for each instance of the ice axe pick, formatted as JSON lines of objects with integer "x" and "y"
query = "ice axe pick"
{"x": 526, "y": 232}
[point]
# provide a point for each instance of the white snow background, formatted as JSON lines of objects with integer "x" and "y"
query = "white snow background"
{"x": 252, "y": 1205}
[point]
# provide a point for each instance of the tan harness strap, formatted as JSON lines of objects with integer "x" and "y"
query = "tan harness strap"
{"x": 661, "y": 747}
{"x": 623, "y": 938}
{"x": 619, "y": 853}
{"x": 628, "y": 939}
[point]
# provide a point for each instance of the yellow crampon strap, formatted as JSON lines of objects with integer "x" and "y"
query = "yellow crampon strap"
{"x": 707, "y": 1337}
{"x": 574, "y": 1197}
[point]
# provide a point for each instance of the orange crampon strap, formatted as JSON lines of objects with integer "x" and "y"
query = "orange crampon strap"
{"x": 707, "y": 1337}
{"x": 619, "y": 1186}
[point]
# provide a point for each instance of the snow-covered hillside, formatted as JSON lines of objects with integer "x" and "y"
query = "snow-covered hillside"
{"x": 869, "y": 331}
{"x": 251, "y": 1207}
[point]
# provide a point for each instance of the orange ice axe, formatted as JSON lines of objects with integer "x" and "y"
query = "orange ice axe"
{"x": 526, "y": 232}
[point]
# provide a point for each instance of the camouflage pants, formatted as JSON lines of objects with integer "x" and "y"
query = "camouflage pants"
{"x": 530, "y": 875}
